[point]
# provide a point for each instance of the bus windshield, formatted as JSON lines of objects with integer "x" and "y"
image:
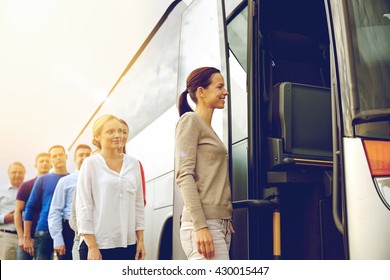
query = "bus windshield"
{"x": 370, "y": 34}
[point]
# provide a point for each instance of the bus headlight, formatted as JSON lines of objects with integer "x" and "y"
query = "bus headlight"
{"x": 383, "y": 187}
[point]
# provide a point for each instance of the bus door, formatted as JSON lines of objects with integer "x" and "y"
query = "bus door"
{"x": 360, "y": 71}
{"x": 252, "y": 215}
{"x": 202, "y": 43}
{"x": 290, "y": 139}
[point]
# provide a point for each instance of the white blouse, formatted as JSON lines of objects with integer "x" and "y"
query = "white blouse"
{"x": 110, "y": 205}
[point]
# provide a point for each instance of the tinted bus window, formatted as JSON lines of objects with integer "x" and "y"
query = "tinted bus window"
{"x": 237, "y": 38}
{"x": 370, "y": 31}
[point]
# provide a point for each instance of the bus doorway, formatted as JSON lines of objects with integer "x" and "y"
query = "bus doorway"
{"x": 285, "y": 157}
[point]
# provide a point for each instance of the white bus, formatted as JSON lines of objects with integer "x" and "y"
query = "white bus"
{"x": 306, "y": 126}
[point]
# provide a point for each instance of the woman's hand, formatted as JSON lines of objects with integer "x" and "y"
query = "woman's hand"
{"x": 204, "y": 243}
{"x": 94, "y": 253}
{"x": 140, "y": 253}
{"x": 231, "y": 228}
{"x": 93, "y": 248}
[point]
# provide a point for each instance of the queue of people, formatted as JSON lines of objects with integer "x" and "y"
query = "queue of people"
{"x": 97, "y": 212}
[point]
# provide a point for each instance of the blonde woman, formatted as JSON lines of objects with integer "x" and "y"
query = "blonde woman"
{"x": 109, "y": 204}
{"x": 202, "y": 173}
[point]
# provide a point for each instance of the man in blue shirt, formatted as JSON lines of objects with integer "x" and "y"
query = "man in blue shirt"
{"x": 41, "y": 195}
{"x": 61, "y": 207}
{"x": 43, "y": 166}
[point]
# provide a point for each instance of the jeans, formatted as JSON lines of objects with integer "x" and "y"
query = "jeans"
{"x": 22, "y": 255}
{"x": 219, "y": 229}
{"x": 43, "y": 245}
{"x": 127, "y": 253}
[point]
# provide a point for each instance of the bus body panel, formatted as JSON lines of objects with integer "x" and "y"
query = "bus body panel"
{"x": 155, "y": 220}
{"x": 154, "y": 148}
{"x": 368, "y": 219}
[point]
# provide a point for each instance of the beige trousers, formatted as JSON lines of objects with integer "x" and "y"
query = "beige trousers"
{"x": 8, "y": 244}
{"x": 220, "y": 232}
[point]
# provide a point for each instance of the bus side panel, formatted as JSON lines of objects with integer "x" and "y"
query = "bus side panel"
{"x": 368, "y": 218}
{"x": 155, "y": 219}
{"x": 154, "y": 147}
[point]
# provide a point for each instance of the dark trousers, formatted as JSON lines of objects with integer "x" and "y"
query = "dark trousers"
{"x": 68, "y": 235}
{"x": 127, "y": 253}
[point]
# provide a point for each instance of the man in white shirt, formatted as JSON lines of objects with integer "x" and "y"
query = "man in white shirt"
{"x": 8, "y": 235}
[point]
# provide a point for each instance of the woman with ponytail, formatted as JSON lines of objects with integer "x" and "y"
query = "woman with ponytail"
{"x": 201, "y": 164}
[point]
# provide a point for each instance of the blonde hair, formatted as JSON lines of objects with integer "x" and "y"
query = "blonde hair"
{"x": 98, "y": 127}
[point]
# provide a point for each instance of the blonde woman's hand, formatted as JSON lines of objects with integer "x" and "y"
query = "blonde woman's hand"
{"x": 94, "y": 254}
{"x": 140, "y": 253}
{"x": 204, "y": 243}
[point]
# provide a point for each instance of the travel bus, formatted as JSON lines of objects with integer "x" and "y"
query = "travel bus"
{"x": 306, "y": 125}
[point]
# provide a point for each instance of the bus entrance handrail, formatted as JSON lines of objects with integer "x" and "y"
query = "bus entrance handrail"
{"x": 255, "y": 203}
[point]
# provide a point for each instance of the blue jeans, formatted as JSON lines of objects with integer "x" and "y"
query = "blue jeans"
{"x": 22, "y": 255}
{"x": 43, "y": 245}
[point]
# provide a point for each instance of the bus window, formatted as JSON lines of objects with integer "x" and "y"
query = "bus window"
{"x": 230, "y": 5}
{"x": 237, "y": 38}
{"x": 370, "y": 29}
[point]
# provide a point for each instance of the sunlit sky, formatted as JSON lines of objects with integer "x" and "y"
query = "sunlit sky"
{"x": 58, "y": 60}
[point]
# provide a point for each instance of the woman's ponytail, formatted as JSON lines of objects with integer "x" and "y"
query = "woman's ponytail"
{"x": 183, "y": 105}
